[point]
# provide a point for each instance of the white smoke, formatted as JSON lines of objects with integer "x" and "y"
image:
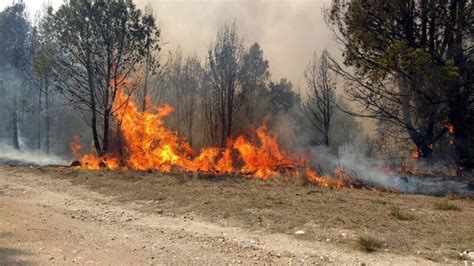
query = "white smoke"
{"x": 371, "y": 173}
{"x": 10, "y": 155}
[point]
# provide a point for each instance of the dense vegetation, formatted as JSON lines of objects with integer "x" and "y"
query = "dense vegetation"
{"x": 407, "y": 64}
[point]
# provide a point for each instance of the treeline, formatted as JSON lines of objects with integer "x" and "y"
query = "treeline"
{"x": 407, "y": 66}
{"x": 66, "y": 68}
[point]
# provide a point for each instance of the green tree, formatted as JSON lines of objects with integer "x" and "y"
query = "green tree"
{"x": 14, "y": 50}
{"x": 254, "y": 78}
{"x": 412, "y": 65}
{"x": 101, "y": 44}
{"x": 282, "y": 96}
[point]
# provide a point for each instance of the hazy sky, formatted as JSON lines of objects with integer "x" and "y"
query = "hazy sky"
{"x": 287, "y": 30}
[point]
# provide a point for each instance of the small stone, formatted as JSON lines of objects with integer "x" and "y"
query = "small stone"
{"x": 299, "y": 232}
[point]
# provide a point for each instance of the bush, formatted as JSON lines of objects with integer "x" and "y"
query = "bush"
{"x": 368, "y": 244}
{"x": 446, "y": 206}
{"x": 397, "y": 213}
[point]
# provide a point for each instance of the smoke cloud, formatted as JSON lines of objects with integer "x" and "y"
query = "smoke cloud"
{"x": 10, "y": 155}
{"x": 370, "y": 172}
{"x": 288, "y": 31}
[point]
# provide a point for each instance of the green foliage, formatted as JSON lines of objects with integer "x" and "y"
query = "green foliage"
{"x": 101, "y": 44}
{"x": 14, "y": 34}
{"x": 410, "y": 64}
{"x": 282, "y": 96}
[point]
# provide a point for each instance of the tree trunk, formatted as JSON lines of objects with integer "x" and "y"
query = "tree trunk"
{"x": 39, "y": 122}
{"x": 422, "y": 140}
{"x": 95, "y": 134}
{"x": 105, "y": 141}
{"x": 462, "y": 136}
{"x": 459, "y": 94}
{"x": 14, "y": 120}
{"x": 47, "y": 129}
{"x": 145, "y": 87}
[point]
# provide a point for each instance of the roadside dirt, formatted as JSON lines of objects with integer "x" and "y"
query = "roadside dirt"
{"x": 65, "y": 216}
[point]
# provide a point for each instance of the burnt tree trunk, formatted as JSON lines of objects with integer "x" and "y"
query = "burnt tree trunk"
{"x": 460, "y": 93}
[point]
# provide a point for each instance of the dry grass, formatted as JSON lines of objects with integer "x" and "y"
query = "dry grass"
{"x": 402, "y": 216}
{"x": 368, "y": 244}
{"x": 446, "y": 206}
{"x": 284, "y": 205}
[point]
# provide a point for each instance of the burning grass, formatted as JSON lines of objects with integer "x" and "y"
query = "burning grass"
{"x": 145, "y": 143}
{"x": 148, "y": 145}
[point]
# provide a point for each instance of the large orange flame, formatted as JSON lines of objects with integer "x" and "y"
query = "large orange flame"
{"x": 150, "y": 145}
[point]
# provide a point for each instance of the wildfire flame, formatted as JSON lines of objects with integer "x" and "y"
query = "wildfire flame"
{"x": 450, "y": 128}
{"x": 415, "y": 155}
{"x": 150, "y": 145}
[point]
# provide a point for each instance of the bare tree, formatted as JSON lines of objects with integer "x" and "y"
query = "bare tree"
{"x": 191, "y": 85}
{"x": 319, "y": 107}
{"x": 150, "y": 65}
{"x": 175, "y": 85}
{"x": 210, "y": 109}
{"x": 225, "y": 62}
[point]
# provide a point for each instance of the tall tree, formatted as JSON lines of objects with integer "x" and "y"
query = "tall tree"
{"x": 282, "y": 96}
{"x": 42, "y": 74}
{"x": 150, "y": 65}
{"x": 225, "y": 60}
{"x": 413, "y": 65}
{"x": 192, "y": 84}
{"x": 14, "y": 41}
{"x": 175, "y": 78}
{"x": 319, "y": 107}
{"x": 254, "y": 78}
{"x": 102, "y": 43}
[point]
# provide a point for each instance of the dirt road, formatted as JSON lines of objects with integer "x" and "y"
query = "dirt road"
{"x": 45, "y": 220}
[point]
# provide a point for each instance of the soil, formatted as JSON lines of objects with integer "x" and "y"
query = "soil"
{"x": 65, "y": 216}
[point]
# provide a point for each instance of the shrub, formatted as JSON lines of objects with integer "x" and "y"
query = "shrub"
{"x": 368, "y": 244}
{"x": 446, "y": 206}
{"x": 397, "y": 213}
